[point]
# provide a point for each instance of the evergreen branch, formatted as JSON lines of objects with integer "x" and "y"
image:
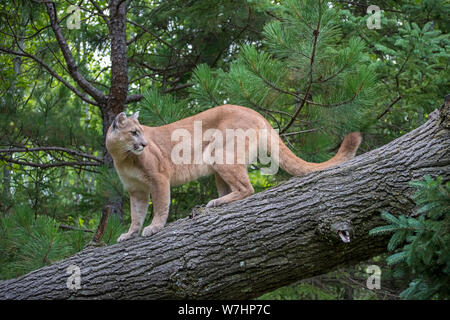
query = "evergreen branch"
{"x": 138, "y": 97}
{"x": 52, "y": 72}
{"x": 337, "y": 104}
{"x": 257, "y": 107}
{"x": 319, "y": 80}
{"x": 98, "y": 95}
{"x": 50, "y": 165}
{"x": 280, "y": 112}
{"x": 151, "y": 68}
{"x": 66, "y": 150}
{"x": 145, "y": 29}
{"x": 179, "y": 87}
{"x": 135, "y": 38}
{"x": 353, "y": 3}
{"x": 308, "y": 89}
{"x": 299, "y": 132}
{"x": 145, "y": 75}
{"x": 302, "y": 98}
{"x": 134, "y": 98}
{"x": 275, "y": 87}
{"x": 389, "y": 107}
{"x": 273, "y": 15}
{"x": 296, "y": 113}
{"x": 65, "y": 227}
{"x": 210, "y": 94}
{"x": 100, "y": 11}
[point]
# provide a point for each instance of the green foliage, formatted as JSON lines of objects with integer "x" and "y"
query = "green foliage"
{"x": 189, "y": 33}
{"x": 158, "y": 109}
{"x": 341, "y": 284}
{"x": 303, "y": 291}
{"x": 29, "y": 241}
{"x": 207, "y": 86}
{"x": 114, "y": 228}
{"x": 422, "y": 242}
{"x": 410, "y": 55}
{"x": 325, "y": 78}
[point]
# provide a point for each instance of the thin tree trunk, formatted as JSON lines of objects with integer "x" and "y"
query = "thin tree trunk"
{"x": 255, "y": 245}
{"x": 117, "y": 95}
{"x": 12, "y": 90}
{"x": 115, "y": 101}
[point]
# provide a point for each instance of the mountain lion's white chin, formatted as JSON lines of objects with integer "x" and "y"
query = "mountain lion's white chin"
{"x": 137, "y": 151}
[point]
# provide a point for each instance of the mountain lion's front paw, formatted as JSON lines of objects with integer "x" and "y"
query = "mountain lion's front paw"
{"x": 126, "y": 236}
{"x": 148, "y": 231}
{"x": 212, "y": 203}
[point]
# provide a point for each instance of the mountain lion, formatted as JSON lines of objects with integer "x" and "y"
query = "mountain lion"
{"x": 147, "y": 159}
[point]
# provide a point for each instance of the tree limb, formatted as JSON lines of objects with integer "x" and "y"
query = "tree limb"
{"x": 51, "y": 164}
{"x": 134, "y": 98}
{"x": 100, "y": 11}
{"x": 72, "y": 228}
{"x": 301, "y": 103}
{"x": 52, "y": 72}
{"x": 98, "y": 95}
{"x": 381, "y": 115}
{"x": 60, "y": 149}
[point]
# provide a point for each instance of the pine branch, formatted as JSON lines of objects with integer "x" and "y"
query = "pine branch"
{"x": 52, "y": 72}
{"x": 299, "y": 132}
{"x": 100, "y": 11}
{"x": 98, "y": 95}
{"x": 308, "y": 89}
{"x": 76, "y": 164}
{"x": 72, "y": 228}
{"x": 389, "y": 107}
{"x": 355, "y": 3}
{"x": 66, "y": 150}
{"x": 134, "y": 98}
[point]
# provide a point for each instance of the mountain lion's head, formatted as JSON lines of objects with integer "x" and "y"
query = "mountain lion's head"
{"x": 126, "y": 135}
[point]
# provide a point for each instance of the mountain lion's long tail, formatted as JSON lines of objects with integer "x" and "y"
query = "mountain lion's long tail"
{"x": 295, "y": 166}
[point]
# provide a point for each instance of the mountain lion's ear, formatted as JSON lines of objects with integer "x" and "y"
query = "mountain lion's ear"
{"x": 119, "y": 120}
{"x": 135, "y": 115}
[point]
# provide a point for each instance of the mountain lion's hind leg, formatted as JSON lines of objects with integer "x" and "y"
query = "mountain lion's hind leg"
{"x": 236, "y": 177}
{"x": 222, "y": 187}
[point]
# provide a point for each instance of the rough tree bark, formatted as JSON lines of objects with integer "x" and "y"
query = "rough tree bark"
{"x": 117, "y": 94}
{"x": 268, "y": 240}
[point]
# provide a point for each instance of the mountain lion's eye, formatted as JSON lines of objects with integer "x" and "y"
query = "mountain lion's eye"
{"x": 134, "y": 132}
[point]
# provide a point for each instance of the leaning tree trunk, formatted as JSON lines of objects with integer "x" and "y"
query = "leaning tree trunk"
{"x": 268, "y": 240}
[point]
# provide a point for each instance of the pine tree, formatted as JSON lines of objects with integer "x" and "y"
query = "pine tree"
{"x": 310, "y": 83}
{"x": 409, "y": 54}
{"x": 421, "y": 242}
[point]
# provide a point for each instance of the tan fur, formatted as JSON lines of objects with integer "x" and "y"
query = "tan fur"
{"x": 144, "y": 165}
